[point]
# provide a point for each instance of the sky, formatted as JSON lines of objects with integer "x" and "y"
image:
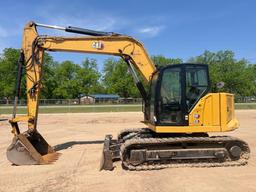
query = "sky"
{"x": 174, "y": 28}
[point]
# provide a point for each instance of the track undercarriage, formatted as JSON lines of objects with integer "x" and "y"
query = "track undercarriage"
{"x": 142, "y": 149}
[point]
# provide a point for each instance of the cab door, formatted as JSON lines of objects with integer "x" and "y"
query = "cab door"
{"x": 178, "y": 90}
{"x": 170, "y": 108}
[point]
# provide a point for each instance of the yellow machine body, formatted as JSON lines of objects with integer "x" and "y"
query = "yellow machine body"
{"x": 213, "y": 112}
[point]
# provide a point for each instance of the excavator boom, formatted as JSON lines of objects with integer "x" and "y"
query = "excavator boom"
{"x": 34, "y": 47}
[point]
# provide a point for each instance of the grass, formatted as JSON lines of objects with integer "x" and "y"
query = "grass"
{"x": 96, "y": 108}
{"x": 76, "y": 109}
{"x": 245, "y": 106}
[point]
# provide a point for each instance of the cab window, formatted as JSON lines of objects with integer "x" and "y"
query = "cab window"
{"x": 196, "y": 84}
{"x": 170, "y": 110}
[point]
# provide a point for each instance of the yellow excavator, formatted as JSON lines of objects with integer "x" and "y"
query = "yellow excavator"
{"x": 179, "y": 109}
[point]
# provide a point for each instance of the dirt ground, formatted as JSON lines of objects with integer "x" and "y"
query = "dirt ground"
{"x": 79, "y": 137}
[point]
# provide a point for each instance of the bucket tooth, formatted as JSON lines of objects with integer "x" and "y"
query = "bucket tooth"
{"x": 30, "y": 149}
{"x": 50, "y": 158}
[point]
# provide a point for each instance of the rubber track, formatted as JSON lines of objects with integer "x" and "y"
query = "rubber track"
{"x": 215, "y": 139}
{"x": 131, "y": 130}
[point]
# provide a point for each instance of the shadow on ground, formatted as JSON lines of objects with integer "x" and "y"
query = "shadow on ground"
{"x": 66, "y": 145}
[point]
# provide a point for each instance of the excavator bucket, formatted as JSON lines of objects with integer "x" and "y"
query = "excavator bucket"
{"x": 30, "y": 149}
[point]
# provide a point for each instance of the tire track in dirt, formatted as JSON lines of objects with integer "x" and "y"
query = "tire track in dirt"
{"x": 64, "y": 181}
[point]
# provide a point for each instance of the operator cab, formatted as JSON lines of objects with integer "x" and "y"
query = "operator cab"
{"x": 174, "y": 91}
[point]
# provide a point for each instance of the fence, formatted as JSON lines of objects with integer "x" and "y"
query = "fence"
{"x": 69, "y": 102}
{"x": 240, "y": 99}
{"x": 103, "y": 105}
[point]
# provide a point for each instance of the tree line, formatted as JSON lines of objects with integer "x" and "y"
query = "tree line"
{"x": 67, "y": 80}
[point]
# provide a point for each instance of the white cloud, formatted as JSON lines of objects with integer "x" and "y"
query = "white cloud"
{"x": 151, "y": 31}
{"x": 102, "y": 21}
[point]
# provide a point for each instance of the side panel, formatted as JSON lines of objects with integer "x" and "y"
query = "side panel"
{"x": 206, "y": 112}
{"x": 228, "y": 119}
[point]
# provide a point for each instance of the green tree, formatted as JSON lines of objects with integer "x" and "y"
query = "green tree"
{"x": 67, "y": 82}
{"x": 162, "y": 61}
{"x": 8, "y": 70}
{"x": 252, "y": 73}
{"x": 117, "y": 80}
{"x": 49, "y": 78}
{"x": 73, "y": 79}
{"x": 223, "y": 66}
{"x": 88, "y": 77}
{"x": 8, "y": 73}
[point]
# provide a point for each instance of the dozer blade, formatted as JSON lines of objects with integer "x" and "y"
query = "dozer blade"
{"x": 111, "y": 152}
{"x": 30, "y": 149}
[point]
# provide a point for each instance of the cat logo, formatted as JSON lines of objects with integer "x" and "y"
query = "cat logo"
{"x": 97, "y": 45}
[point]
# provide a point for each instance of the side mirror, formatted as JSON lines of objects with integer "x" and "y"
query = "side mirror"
{"x": 220, "y": 84}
